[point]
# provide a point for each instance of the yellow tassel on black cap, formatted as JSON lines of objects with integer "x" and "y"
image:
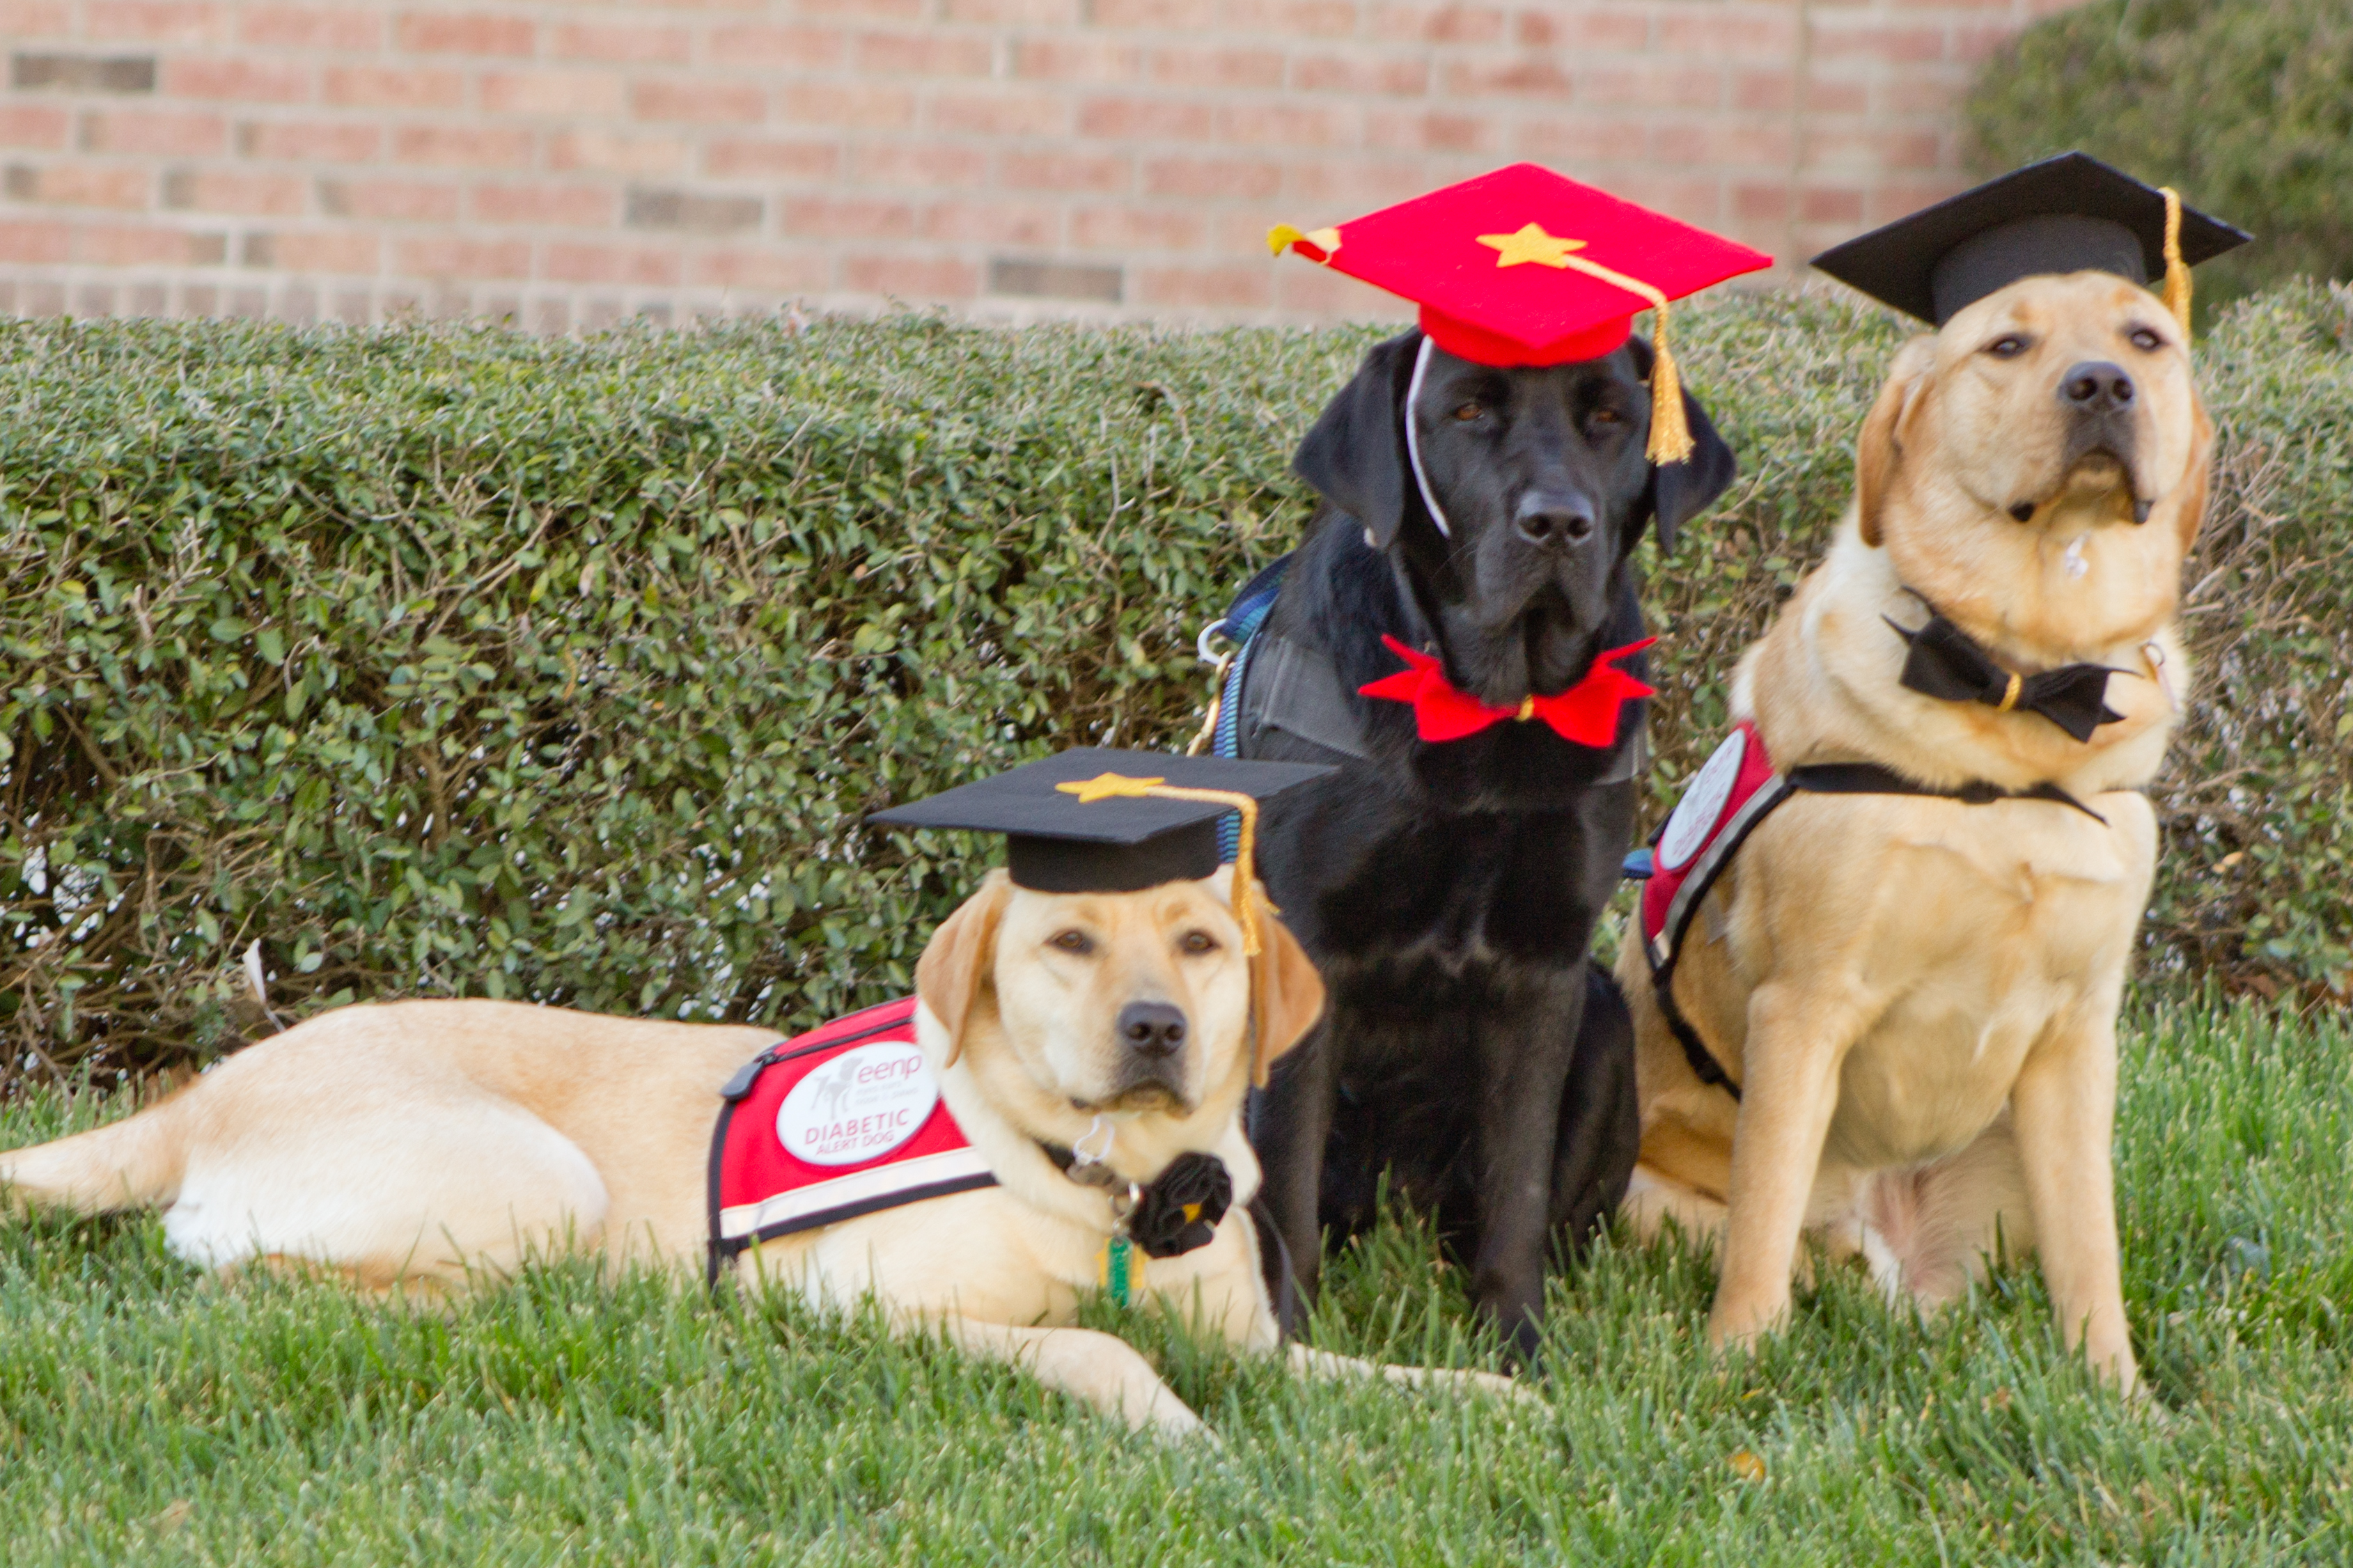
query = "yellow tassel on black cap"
{"x": 2177, "y": 271}
{"x": 1120, "y": 786}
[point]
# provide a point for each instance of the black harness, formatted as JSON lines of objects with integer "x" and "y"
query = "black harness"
{"x": 1814, "y": 778}
{"x": 1941, "y": 660}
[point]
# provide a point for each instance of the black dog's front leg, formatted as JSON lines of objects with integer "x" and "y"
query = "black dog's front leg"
{"x": 1600, "y": 1121}
{"x": 1524, "y": 1057}
{"x": 1289, "y": 1122}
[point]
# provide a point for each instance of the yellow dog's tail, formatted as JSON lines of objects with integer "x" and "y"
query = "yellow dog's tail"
{"x": 129, "y": 1163}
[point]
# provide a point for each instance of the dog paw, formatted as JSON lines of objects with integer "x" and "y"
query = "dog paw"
{"x": 1181, "y": 1428}
{"x": 1498, "y": 1386}
{"x": 1168, "y": 1419}
{"x": 1503, "y": 1386}
{"x": 1739, "y": 1326}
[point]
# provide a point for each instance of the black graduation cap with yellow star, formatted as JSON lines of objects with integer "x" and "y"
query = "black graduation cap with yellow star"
{"x": 2067, "y": 214}
{"x": 1099, "y": 820}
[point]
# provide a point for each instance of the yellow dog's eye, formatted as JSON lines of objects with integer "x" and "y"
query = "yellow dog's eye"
{"x": 1197, "y": 942}
{"x": 1468, "y": 412}
{"x": 1073, "y": 941}
{"x": 2146, "y": 339}
{"x": 2007, "y": 348}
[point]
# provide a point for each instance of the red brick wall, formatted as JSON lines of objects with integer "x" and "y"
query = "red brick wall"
{"x": 567, "y": 163}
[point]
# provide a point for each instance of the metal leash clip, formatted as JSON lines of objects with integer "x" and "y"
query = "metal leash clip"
{"x": 1220, "y": 663}
{"x": 1087, "y": 1166}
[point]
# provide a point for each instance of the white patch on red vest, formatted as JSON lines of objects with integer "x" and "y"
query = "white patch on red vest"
{"x": 858, "y": 1106}
{"x": 1730, "y": 777}
{"x": 837, "y": 1122}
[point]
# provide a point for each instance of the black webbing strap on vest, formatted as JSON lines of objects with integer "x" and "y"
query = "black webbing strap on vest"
{"x": 1685, "y": 907}
{"x": 1815, "y": 778}
{"x": 1869, "y": 778}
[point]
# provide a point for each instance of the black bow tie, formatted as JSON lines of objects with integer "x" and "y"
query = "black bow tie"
{"x": 1945, "y": 661}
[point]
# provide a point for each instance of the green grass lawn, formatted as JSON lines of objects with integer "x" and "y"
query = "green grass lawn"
{"x": 148, "y": 1416}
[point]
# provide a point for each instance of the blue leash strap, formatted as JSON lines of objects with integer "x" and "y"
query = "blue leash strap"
{"x": 1238, "y": 625}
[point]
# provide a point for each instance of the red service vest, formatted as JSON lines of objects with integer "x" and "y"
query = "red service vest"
{"x": 840, "y": 1122}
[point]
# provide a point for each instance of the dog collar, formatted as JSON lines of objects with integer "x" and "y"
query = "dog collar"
{"x": 1175, "y": 1212}
{"x": 1943, "y": 661}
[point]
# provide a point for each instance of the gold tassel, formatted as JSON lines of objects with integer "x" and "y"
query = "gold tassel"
{"x": 1245, "y": 854}
{"x": 1317, "y": 246}
{"x": 2177, "y": 271}
{"x": 1670, "y": 436}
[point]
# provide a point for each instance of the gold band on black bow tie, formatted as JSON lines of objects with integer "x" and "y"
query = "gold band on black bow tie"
{"x": 1943, "y": 661}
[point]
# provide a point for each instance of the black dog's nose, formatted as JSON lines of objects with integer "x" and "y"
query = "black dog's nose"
{"x": 1553, "y": 520}
{"x": 2096, "y": 386}
{"x": 1152, "y": 1029}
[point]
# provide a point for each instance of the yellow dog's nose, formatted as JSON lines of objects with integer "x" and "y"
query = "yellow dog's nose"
{"x": 1152, "y": 1029}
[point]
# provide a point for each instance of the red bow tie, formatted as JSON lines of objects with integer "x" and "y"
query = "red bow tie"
{"x": 1585, "y": 715}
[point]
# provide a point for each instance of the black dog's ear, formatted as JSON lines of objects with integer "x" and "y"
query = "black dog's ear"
{"x": 1356, "y": 454}
{"x": 1681, "y": 491}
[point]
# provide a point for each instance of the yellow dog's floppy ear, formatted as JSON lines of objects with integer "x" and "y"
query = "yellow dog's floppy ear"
{"x": 959, "y": 957}
{"x": 1286, "y": 994}
{"x": 1880, "y": 447}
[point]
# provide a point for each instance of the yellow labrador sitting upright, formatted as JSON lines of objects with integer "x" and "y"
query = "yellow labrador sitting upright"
{"x": 1088, "y": 1025}
{"x": 1888, "y": 928}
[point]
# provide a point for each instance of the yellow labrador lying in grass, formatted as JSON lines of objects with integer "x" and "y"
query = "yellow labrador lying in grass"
{"x": 425, "y": 1144}
{"x": 1904, "y": 947}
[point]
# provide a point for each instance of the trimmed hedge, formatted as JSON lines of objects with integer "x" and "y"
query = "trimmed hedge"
{"x": 446, "y": 660}
{"x": 2245, "y": 105}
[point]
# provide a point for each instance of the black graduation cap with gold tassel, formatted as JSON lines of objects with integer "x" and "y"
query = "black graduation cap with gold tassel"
{"x": 1522, "y": 267}
{"x": 1099, "y": 820}
{"x": 2067, "y": 214}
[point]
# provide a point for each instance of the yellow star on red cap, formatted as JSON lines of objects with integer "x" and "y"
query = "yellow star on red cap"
{"x": 1531, "y": 243}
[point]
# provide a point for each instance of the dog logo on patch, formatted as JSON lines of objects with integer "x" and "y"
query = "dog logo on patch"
{"x": 1695, "y": 815}
{"x": 860, "y": 1106}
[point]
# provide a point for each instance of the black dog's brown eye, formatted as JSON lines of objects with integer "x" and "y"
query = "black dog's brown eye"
{"x": 2145, "y": 341}
{"x": 1073, "y": 941}
{"x": 1468, "y": 412}
{"x": 2007, "y": 348}
{"x": 1605, "y": 417}
{"x": 1197, "y": 942}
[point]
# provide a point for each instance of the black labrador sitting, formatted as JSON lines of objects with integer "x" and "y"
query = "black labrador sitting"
{"x": 1448, "y": 891}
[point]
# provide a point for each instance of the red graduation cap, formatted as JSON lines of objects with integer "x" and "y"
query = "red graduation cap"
{"x": 1522, "y": 267}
